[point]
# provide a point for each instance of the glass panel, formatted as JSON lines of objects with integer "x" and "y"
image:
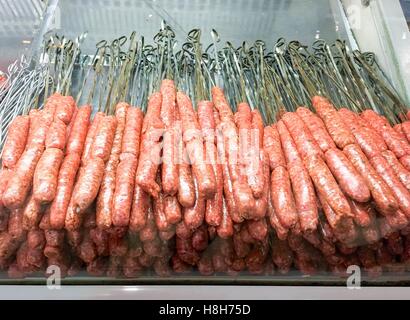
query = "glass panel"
{"x": 18, "y": 21}
{"x": 236, "y": 21}
{"x": 406, "y": 9}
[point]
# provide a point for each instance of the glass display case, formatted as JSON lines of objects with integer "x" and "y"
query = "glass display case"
{"x": 20, "y": 20}
{"x": 406, "y": 9}
{"x": 311, "y": 47}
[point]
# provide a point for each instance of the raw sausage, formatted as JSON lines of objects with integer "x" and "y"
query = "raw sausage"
{"x": 225, "y": 228}
{"x": 106, "y": 194}
{"x": 230, "y": 204}
{"x": 193, "y": 217}
{"x": 104, "y": 138}
{"x": 244, "y": 200}
{"x": 203, "y": 173}
{"x": 92, "y": 130}
{"x": 258, "y": 229}
{"x": 213, "y": 211}
{"x": 186, "y": 190}
{"x": 140, "y": 205}
{"x": 5, "y": 175}
{"x": 381, "y": 193}
{"x": 337, "y": 129}
{"x": 169, "y": 170}
{"x": 64, "y": 108}
{"x": 305, "y": 197}
{"x": 88, "y": 182}
{"x": 350, "y": 181}
{"x": 124, "y": 186}
{"x": 401, "y": 172}
{"x": 362, "y": 213}
{"x": 327, "y": 186}
{"x": 401, "y": 194}
{"x": 221, "y": 104}
{"x": 281, "y": 231}
{"x": 405, "y": 126}
{"x": 242, "y": 191}
{"x": 172, "y": 209}
{"x": 273, "y": 148}
{"x": 317, "y": 128}
{"x": 19, "y": 184}
{"x": 304, "y": 141}
{"x": 261, "y": 204}
{"x": 56, "y": 135}
{"x": 16, "y": 141}
{"x": 132, "y": 132}
{"x": 343, "y": 227}
{"x": 288, "y": 145}
{"x": 32, "y": 213}
{"x": 149, "y": 231}
{"x": 78, "y": 133}
{"x": 65, "y": 185}
{"x": 46, "y": 175}
{"x": 397, "y": 144}
{"x": 150, "y": 147}
{"x": 256, "y": 179}
{"x": 282, "y": 198}
{"x": 405, "y": 161}
{"x": 370, "y": 144}
{"x": 159, "y": 214}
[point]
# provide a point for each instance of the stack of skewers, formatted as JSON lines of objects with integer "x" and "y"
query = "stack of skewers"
{"x": 301, "y": 161}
